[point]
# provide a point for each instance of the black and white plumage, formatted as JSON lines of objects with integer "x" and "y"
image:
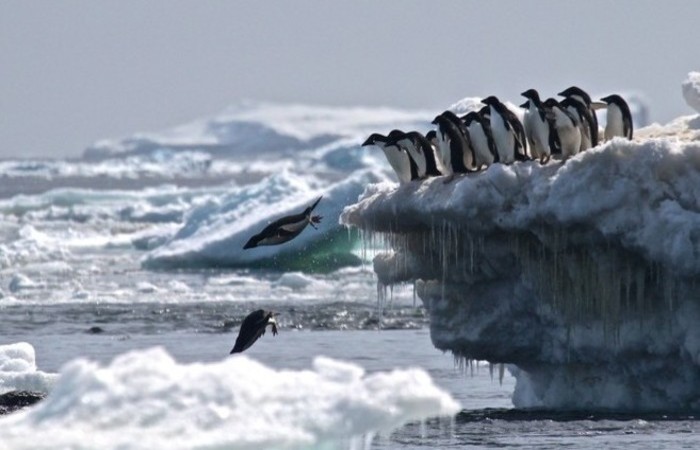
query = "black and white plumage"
{"x": 587, "y": 116}
{"x": 455, "y": 151}
{"x": 508, "y": 132}
{"x": 253, "y": 327}
{"x": 285, "y": 229}
{"x": 619, "y": 119}
{"x": 484, "y": 147}
{"x": 541, "y": 135}
{"x": 567, "y": 127}
{"x": 398, "y": 159}
{"x": 421, "y": 151}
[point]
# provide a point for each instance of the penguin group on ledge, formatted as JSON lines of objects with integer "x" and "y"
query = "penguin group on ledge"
{"x": 494, "y": 134}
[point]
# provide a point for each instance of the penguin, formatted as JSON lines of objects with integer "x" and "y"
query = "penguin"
{"x": 285, "y": 229}
{"x": 422, "y": 152}
{"x": 252, "y": 328}
{"x": 619, "y": 120}
{"x": 484, "y": 147}
{"x": 590, "y": 118}
{"x": 567, "y": 128}
{"x": 454, "y": 149}
{"x": 582, "y": 116}
{"x": 469, "y": 157}
{"x": 537, "y": 126}
{"x": 398, "y": 159}
{"x": 507, "y": 130}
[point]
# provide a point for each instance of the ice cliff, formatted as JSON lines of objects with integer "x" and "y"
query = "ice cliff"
{"x": 582, "y": 276}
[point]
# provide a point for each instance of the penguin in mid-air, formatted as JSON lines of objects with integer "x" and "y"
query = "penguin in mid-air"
{"x": 252, "y": 328}
{"x": 485, "y": 152}
{"x": 541, "y": 136}
{"x": 619, "y": 121}
{"x": 507, "y": 130}
{"x": 567, "y": 128}
{"x": 421, "y": 151}
{"x": 398, "y": 159}
{"x": 588, "y": 116}
{"x": 285, "y": 229}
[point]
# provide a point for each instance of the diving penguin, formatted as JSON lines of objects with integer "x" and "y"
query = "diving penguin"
{"x": 285, "y": 229}
{"x": 619, "y": 121}
{"x": 253, "y": 327}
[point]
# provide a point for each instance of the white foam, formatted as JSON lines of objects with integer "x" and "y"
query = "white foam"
{"x": 145, "y": 399}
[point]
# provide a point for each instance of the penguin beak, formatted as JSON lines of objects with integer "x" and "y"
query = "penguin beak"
{"x": 524, "y": 105}
{"x": 367, "y": 142}
{"x": 250, "y": 244}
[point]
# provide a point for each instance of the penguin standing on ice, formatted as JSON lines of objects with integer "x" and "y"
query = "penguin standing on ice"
{"x": 567, "y": 128}
{"x": 538, "y": 129}
{"x": 485, "y": 152}
{"x": 398, "y": 159}
{"x": 619, "y": 121}
{"x": 507, "y": 130}
{"x": 285, "y": 229}
{"x": 453, "y": 146}
{"x": 421, "y": 151}
{"x": 587, "y": 115}
{"x": 252, "y": 328}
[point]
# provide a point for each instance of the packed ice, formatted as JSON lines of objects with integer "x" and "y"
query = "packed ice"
{"x": 145, "y": 399}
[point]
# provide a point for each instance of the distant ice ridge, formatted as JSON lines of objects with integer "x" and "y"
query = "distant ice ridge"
{"x": 584, "y": 276}
{"x": 146, "y": 400}
{"x": 18, "y": 371}
{"x": 252, "y": 129}
{"x": 214, "y": 233}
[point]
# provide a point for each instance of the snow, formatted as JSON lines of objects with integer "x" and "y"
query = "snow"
{"x": 18, "y": 371}
{"x": 146, "y": 399}
{"x": 582, "y": 276}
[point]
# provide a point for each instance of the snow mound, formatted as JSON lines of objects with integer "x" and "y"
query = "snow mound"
{"x": 18, "y": 370}
{"x": 145, "y": 400}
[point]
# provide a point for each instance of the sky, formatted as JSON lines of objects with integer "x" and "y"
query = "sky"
{"x": 76, "y": 71}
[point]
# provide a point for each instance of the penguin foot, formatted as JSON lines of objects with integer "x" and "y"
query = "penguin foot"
{"x": 315, "y": 220}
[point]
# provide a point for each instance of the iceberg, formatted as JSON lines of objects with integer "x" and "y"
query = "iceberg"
{"x": 18, "y": 370}
{"x": 582, "y": 277}
{"x": 145, "y": 399}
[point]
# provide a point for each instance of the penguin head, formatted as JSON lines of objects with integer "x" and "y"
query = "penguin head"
{"x": 373, "y": 139}
{"x": 395, "y": 135}
{"x": 470, "y": 117}
{"x": 485, "y": 112}
{"x": 531, "y": 94}
{"x": 490, "y": 100}
{"x": 575, "y": 91}
{"x": 253, "y": 241}
{"x": 614, "y": 98}
{"x": 430, "y": 135}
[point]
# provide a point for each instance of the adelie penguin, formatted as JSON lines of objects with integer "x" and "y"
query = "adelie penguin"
{"x": 567, "y": 128}
{"x": 539, "y": 130}
{"x": 398, "y": 159}
{"x": 588, "y": 116}
{"x": 421, "y": 151}
{"x": 484, "y": 148}
{"x": 455, "y": 151}
{"x": 253, "y": 327}
{"x": 285, "y": 229}
{"x": 619, "y": 120}
{"x": 507, "y": 130}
